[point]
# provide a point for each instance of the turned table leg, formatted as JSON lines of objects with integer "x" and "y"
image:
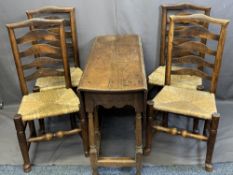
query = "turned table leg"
{"x": 138, "y": 143}
{"x": 83, "y": 125}
{"x": 93, "y": 150}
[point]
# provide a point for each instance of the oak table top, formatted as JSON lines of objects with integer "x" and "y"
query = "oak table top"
{"x": 115, "y": 63}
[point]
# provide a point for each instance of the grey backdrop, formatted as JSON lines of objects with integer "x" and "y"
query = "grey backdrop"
{"x": 100, "y": 17}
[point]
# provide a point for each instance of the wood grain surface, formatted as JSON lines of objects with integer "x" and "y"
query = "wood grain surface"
{"x": 115, "y": 63}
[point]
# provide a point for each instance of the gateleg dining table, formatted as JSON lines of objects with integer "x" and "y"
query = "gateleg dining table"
{"x": 114, "y": 76}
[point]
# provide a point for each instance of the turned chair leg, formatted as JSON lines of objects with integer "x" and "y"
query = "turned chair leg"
{"x": 32, "y": 128}
{"x": 211, "y": 141}
{"x": 165, "y": 119}
{"x": 42, "y": 126}
{"x": 22, "y": 142}
{"x": 41, "y": 121}
{"x": 195, "y": 125}
{"x": 149, "y": 128}
{"x": 73, "y": 121}
{"x": 206, "y": 127}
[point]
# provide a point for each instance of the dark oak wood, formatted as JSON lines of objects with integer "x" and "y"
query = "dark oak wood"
{"x": 36, "y": 35}
{"x": 43, "y": 72}
{"x": 195, "y": 126}
{"x": 175, "y": 9}
{"x": 192, "y": 47}
{"x": 40, "y": 61}
{"x": 193, "y": 59}
{"x": 165, "y": 119}
{"x": 20, "y": 128}
{"x": 124, "y": 71}
{"x": 58, "y": 134}
{"x": 16, "y": 51}
{"x": 189, "y": 71}
{"x": 181, "y": 34}
{"x": 116, "y": 162}
{"x": 114, "y": 77}
{"x": 149, "y": 127}
{"x": 211, "y": 141}
{"x": 66, "y": 13}
{"x": 183, "y": 133}
{"x": 197, "y": 30}
{"x": 36, "y": 49}
{"x": 212, "y": 77}
{"x": 40, "y": 49}
{"x": 198, "y": 46}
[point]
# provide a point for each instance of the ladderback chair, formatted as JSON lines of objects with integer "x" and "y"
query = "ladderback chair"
{"x": 52, "y": 82}
{"x": 157, "y": 77}
{"x": 68, "y": 14}
{"x": 188, "y": 102}
{"x": 25, "y": 44}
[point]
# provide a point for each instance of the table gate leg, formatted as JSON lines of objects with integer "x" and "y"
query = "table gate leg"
{"x": 93, "y": 151}
{"x": 97, "y": 130}
{"x": 138, "y": 143}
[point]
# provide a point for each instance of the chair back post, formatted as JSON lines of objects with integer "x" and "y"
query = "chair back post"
{"x": 64, "y": 56}
{"x": 15, "y": 51}
{"x": 74, "y": 37}
{"x": 163, "y": 35}
{"x": 218, "y": 60}
{"x": 52, "y": 11}
{"x": 165, "y": 9}
{"x": 169, "y": 56}
{"x": 189, "y": 48}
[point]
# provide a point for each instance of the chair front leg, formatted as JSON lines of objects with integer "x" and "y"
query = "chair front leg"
{"x": 22, "y": 142}
{"x": 211, "y": 141}
{"x": 149, "y": 128}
